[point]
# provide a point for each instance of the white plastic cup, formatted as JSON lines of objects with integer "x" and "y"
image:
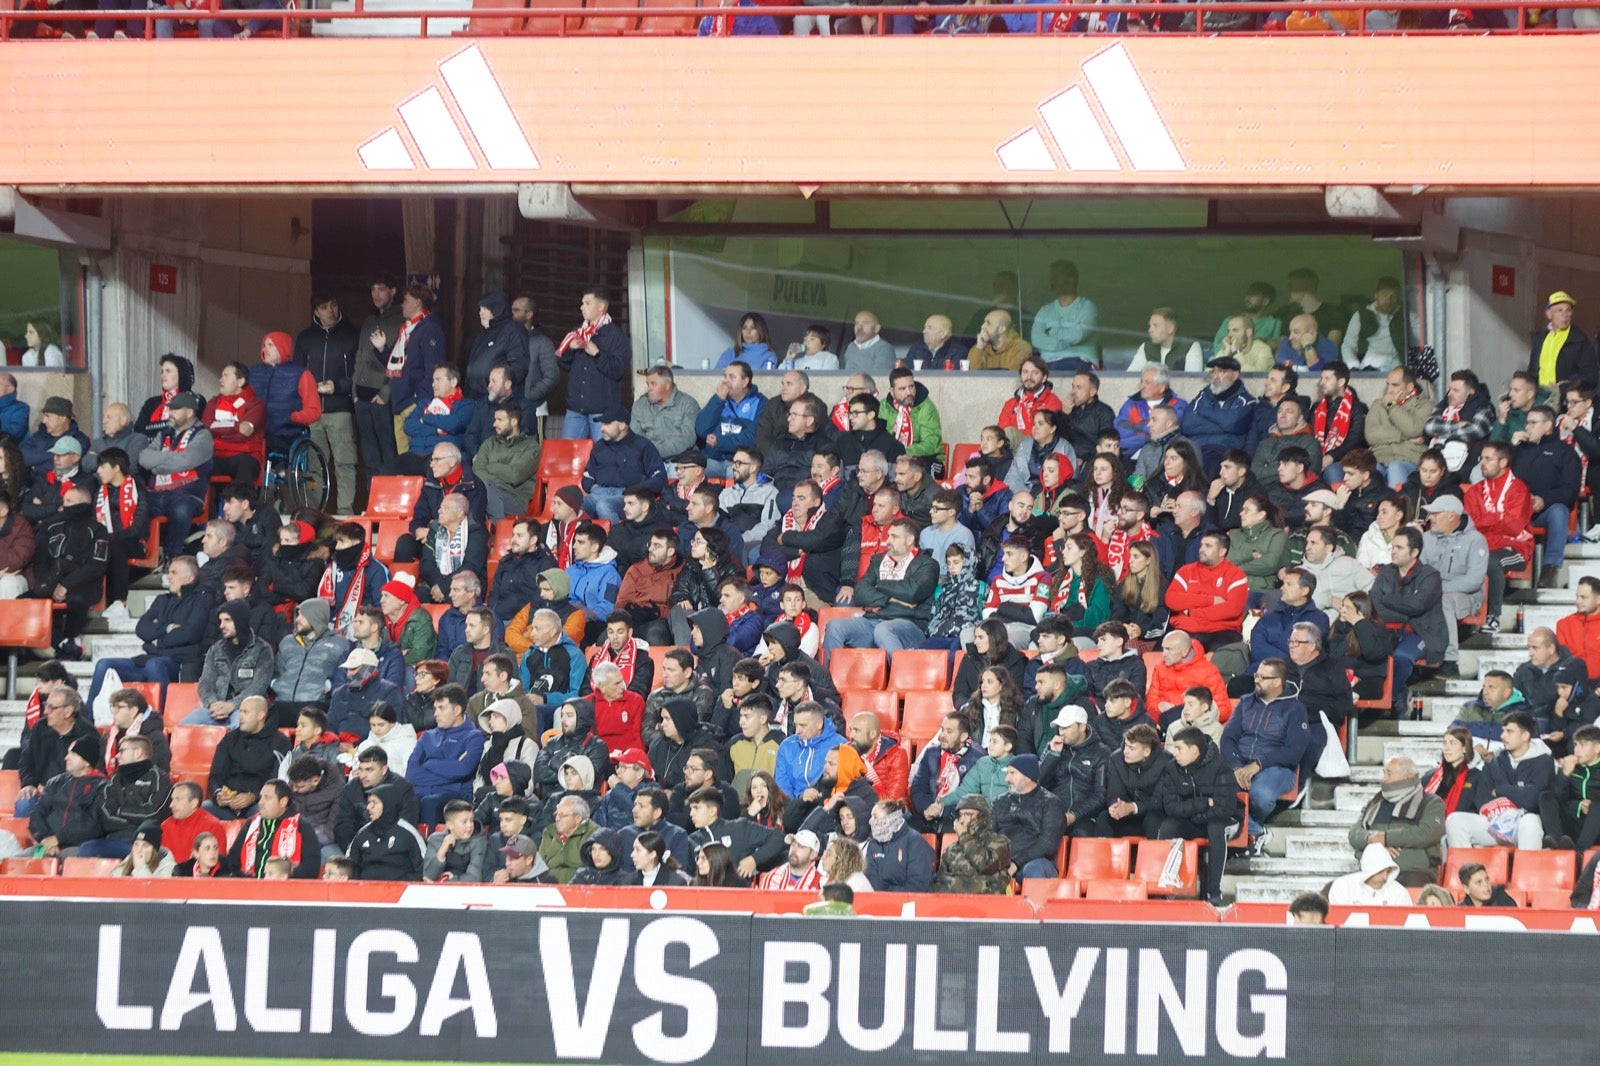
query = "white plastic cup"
{"x": 705, "y": 364}
{"x": 966, "y": 364}
{"x": 916, "y": 364}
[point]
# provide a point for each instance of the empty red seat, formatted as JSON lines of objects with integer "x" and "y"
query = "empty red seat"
{"x": 1040, "y": 889}
{"x": 919, "y": 669}
{"x": 1110, "y": 889}
{"x": 859, "y": 668}
{"x": 885, "y": 705}
{"x": 1092, "y": 858}
{"x": 77, "y": 866}
{"x": 670, "y": 25}
{"x": 181, "y": 697}
{"x": 610, "y": 16}
{"x": 192, "y": 749}
{"x": 545, "y": 18}
{"x": 392, "y": 495}
{"x": 1532, "y": 871}
{"x": 10, "y": 785}
{"x": 1151, "y": 859}
{"x": 924, "y": 712}
{"x": 28, "y": 867}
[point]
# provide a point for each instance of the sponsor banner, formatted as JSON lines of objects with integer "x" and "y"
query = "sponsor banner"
{"x": 1157, "y": 109}
{"x": 647, "y": 987}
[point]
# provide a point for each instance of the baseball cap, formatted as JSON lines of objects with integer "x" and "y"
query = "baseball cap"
{"x": 66, "y": 445}
{"x": 1447, "y": 503}
{"x": 1071, "y": 714}
{"x": 520, "y": 847}
{"x": 1324, "y": 497}
{"x": 359, "y": 657}
{"x": 1560, "y": 296}
{"x": 805, "y": 838}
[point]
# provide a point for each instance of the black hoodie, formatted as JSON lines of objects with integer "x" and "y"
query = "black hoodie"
{"x": 667, "y": 756}
{"x": 714, "y": 658}
{"x": 581, "y": 741}
{"x": 352, "y": 811}
{"x": 503, "y": 343}
{"x": 590, "y": 874}
{"x": 787, "y": 637}
{"x": 71, "y": 551}
{"x": 147, "y": 423}
{"x": 631, "y": 540}
{"x": 387, "y": 848}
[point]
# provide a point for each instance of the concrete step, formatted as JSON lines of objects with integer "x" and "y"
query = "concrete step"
{"x": 1314, "y": 818}
{"x": 1427, "y": 727}
{"x": 1271, "y": 889}
{"x": 1375, "y": 751}
{"x": 1326, "y": 867}
{"x": 1544, "y": 615}
{"x": 1318, "y": 848}
{"x": 1365, "y": 774}
{"x": 1354, "y": 797}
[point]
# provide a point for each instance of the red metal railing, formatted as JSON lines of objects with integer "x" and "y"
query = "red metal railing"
{"x": 565, "y": 21}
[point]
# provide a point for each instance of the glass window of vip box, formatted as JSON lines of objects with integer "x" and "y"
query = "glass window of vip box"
{"x": 1136, "y": 262}
{"x": 40, "y": 301}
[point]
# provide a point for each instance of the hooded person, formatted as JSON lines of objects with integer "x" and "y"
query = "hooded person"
{"x": 1377, "y": 883}
{"x": 386, "y": 848}
{"x": 177, "y": 375}
{"x": 785, "y": 637}
{"x": 518, "y": 778}
{"x": 604, "y": 859}
{"x": 507, "y": 742}
{"x": 234, "y": 668}
{"x": 898, "y": 859}
{"x": 577, "y": 779}
{"x": 503, "y": 342}
{"x": 714, "y": 656}
{"x": 979, "y": 859}
{"x": 286, "y": 388}
{"x": 307, "y": 660}
{"x": 681, "y": 734}
{"x": 844, "y": 774}
{"x": 575, "y": 719}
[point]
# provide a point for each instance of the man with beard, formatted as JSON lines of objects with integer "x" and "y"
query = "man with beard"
{"x": 507, "y": 460}
{"x": 1219, "y": 417}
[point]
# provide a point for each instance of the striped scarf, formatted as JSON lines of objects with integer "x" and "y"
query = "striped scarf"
{"x": 583, "y": 334}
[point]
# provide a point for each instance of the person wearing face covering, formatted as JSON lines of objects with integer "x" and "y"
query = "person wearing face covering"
{"x": 898, "y": 859}
{"x": 387, "y": 848}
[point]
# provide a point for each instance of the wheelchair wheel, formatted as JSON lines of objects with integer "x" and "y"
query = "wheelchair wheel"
{"x": 308, "y": 477}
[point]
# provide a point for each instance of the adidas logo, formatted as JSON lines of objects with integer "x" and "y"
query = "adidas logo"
{"x": 439, "y": 133}
{"x": 1078, "y": 134}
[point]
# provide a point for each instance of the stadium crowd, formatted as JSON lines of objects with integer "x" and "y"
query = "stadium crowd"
{"x": 1129, "y": 614}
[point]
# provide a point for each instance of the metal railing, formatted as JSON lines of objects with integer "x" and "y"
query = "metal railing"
{"x": 1338, "y": 18}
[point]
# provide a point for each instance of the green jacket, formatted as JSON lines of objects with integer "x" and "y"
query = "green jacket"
{"x": 925, "y": 429}
{"x": 1517, "y": 420}
{"x": 987, "y": 778}
{"x": 564, "y": 857}
{"x": 417, "y": 639}
{"x": 1414, "y": 828}
{"x": 1270, "y": 541}
{"x": 512, "y": 465}
{"x": 1265, "y": 463}
{"x": 977, "y": 861}
{"x": 1295, "y": 553}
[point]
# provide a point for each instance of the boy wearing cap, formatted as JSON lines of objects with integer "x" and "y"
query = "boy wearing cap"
{"x": 800, "y": 873}
{"x": 522, "y": 864}
{"x": 179, "y": 464}
{"x": 1561, "y": 351}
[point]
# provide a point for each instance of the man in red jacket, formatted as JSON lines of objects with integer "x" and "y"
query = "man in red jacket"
{"x": 888, "y": 761}
{"x": 237, "y": 420}
{"x": 1502, "y": 511}
{"x": 618, "y": 710}
{"x": 1579, "y": 632}
{"x": 1208, "y": 598}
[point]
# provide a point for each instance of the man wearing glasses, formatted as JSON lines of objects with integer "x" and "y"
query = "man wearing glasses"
{"x": 1264, "y": 742}
{"x": 865, "y": 432}
{"x": 857, "y": 385}
{"x": 1554, "y": 476}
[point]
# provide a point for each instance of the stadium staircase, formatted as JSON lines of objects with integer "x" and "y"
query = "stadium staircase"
{"x": 1309, "y": 845}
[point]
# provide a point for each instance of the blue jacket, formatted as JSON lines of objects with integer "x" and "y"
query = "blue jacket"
{"x": 1216, "y": 423}
{"x": 1270, "y": 638}
{"x": 733, "y": 423}
{"x": 594, "y": 382}
{"x": 425, "y": 351}
{"x": 557, "y": 673}
{"x": 745, "y": 632}
{"x": 451, "y": 631}
{"x": 766, "y": 601}
{"x": 617, "y": 464}
{"x": 1327, "y": 352}
{"x": 595, "y": 584}
{"x": 800, "y": 761}
{"x": 925, "y": 777}
{"x": 995, "y": 505}
{"x": 36, "y": 449}
{"x": 445, "y": 761}
{"x": 426, "y": 430}
{"x": 278, "y": 386}
{"x": 377, "y": 577}
{"x": 903, "y": 863}
{"x": 757, "y": 355}
{"x": 1271, "y": 734}
{"x": 13, "y": 416}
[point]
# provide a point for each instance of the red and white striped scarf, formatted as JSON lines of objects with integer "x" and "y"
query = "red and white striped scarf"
{"x": 797, "y": 565}
{"x": 1583, "y": 457}
{"x": 285, "y": 843}
{"x": 442, "y": 405}
{"x": 352, "y": 593}
{"x": 583, "y": 334}
{"x": 841, "y": 416}
{"x": 783, "y": 879}
{"x": 1331, "y": 437}
{"x": 397, "y": 355}
{"x": 829, "y": 485}
{"x": 904, "y": 431}
{"x": 1119, "y": 544}
{"x": 623, "y": 660}
{"x": 559, "y": 541}
{"x": 127, "y": 504}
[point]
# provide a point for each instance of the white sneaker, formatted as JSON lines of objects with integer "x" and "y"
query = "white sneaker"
{"x": 1593, "y": 535}
{"x": 116, "y": 612}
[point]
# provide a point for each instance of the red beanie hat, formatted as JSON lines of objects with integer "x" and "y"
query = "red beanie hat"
{"x": 280, "y": 341}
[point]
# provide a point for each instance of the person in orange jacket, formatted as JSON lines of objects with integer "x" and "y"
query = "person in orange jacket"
{"x": 888, "y": 762}
{"x": 1183, "y": 666}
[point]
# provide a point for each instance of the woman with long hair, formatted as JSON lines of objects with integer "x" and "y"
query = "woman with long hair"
{"x": 763, "y": 801}
{"x": 652, "y": 866}
{"x": 205, "y": 860}
{"x": 1366, "y": 643}
{"x": 1394, "y": 512}
{"x": 1260, "y": 545}
{"x": 713, "y": 867}
{"x": 991, "y": 646}
{"x": 44, "y": 345}
{"x": 1082, "y": 590}
{"x": 146, "y": 857}
{"x": 753, "y": 346}
{"x": 1181, "y": 471}
{"x": 998, "y": 701}
{"x": 1052, "y": 484}
{"x": 1103, "y": 487}
{"x": 1140, "y": 601}
{"x": 1456, "y": 780}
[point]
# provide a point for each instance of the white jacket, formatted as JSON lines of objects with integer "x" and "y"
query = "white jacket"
{"x": 1352, "y": 890}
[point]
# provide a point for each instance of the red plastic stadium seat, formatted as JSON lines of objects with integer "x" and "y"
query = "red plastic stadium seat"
{"x": 916, "y": 669}
{"x": 924, "y": 712}
{"x": 495, "y": 27}
{"x": 549, "y": 24}
{"x": 562, "y": 458}
{"x": 1108, "y": 889}
{"x": 1497, "y": 860}
{"x": 621, "y": 16}
{"x": 151, "y": 691}
{"x": 23, "y": 624}
{"x": 885, "y": 705}
{"x": 673, "y": 26}
{"x": 80, "y": 867}
{"x": 392, "y": 496}
{"x": 10, "y": 785}
{"x": 958, "y": 462}
{"x": 502, "y": 537}
{"x": 1535, "y": 870}
{"x": 1040, "y": 889}
{"x": 231, "y": 831}
{"x": 1094, "y": 858}
{"x": 18, "y": 827}
{"x": 181, "y": 698}
{"x": 1150, "y": 858}
{"x": 539, "y": 506}
{"x": 28, "y": 867}
{"x": 862, "y": 668}
{"x": 436, "y": 611}
{"x": 829, "y": 614}
{"x": 192, "y": 749}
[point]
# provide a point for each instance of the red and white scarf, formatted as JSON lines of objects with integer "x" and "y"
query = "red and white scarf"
{"x": 559, "y": 541}
{"x": 285, "y": 843}
{"x": 783, "y": 879}
{"x": 746, "y": 608}
{"x": 442, "y": 405}
{"x": 397, "y": 355}
{"x": 352, "y": 593}
{"x": 889, "y": 570}
{"x": 623, "y": 660}
{"x": 685, "y": 489}
{"x": 841, "y": 416}
{"x": 797, "y": 565}
{"x": 63, "y": 483}
{"x": 1119, "y": 544}
{"x": 159, "y": 415}
{"x": 34, "y": 711}
{"x": 1583, "y": 457}
{"x": 904, "y": 431}
{"x": 127, "y": 504}
{"x": 1027, "y": 402}
{"x": 179, "y": 477}
{"x": 397, "y": 626}
{"x": 828, "y": 485}
{"x": 1331, "y": 437}
{"x": 583, "y": 334}
{"x": 1072, "y": 589}
{"x": 949, "y": 775}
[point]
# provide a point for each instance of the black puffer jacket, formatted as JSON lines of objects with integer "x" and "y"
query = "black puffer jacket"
{"x": 137, "y": 793}
{"x": 329, "y": 352}
{"x": 503, "y": 343}
{"x": 1203, "y": 791}
{"x": 698, "y": 585}
{"x": 387, "y": 848}
{"x": 787, "y": 637}
{"x": 175, "y": 626}
{"x": 351, "y": 813}
{"x": 244, "y": 761}
{"x": 68, "y": 809}
{"x": 71, "y": 551}
{"x": 581, "y": 741}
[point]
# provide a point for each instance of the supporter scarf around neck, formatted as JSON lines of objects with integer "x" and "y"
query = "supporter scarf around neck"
{"x": 1451, "y": 413}
{"x": 127, "y": 504}
{"x": 828, "y": 485}
{"x": 1028, "y": 402}
{"x": 398, "y": 626}
{"x": 159, "y": 415}
{"x": 352, "y": 593}
{"x": 623, "y": 660}
{"x": 740, "y": 612}
{"x": 559, "y": 540}
{"x": 904, "y": 432}
{"x": 441, "y": 405}
{"x": 450, "y": 549}
{"x": 1117, "y": 547}
{"x": 841, "y": 416}
{"x": 1333, "y": 436}
{"x": 889, "y": 570}
{"x": 1583, "y": 456}
{"x": 397, "y": 355}
{"x": 581, "y": 336}
{"x": 1452, "y": 796}
{"x": 797, "y": 565}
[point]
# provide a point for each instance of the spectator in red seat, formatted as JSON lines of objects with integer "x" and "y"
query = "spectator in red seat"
{"x": 387, "y": 847}
{"x": 1136, "y": 782}
{"x": 62, "y": 814}
{"x": 1183, "y": 666}
{"x": 940, "y": 768}
{"x": 132, "y": 716}
{"x": 276, "y": 833}
{"x": 888, "y": 764}
{"x": 188, "y": 822}
{"x": 205, "y": 859}
{"x": 237, "y": 419}
{"x": 1264, "y": 742}
{"x": 1208, "y": 598}
{"x": 1500, "y": 509}
{"x": 179, "y": 462}
{"x": 246, "y": 758}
